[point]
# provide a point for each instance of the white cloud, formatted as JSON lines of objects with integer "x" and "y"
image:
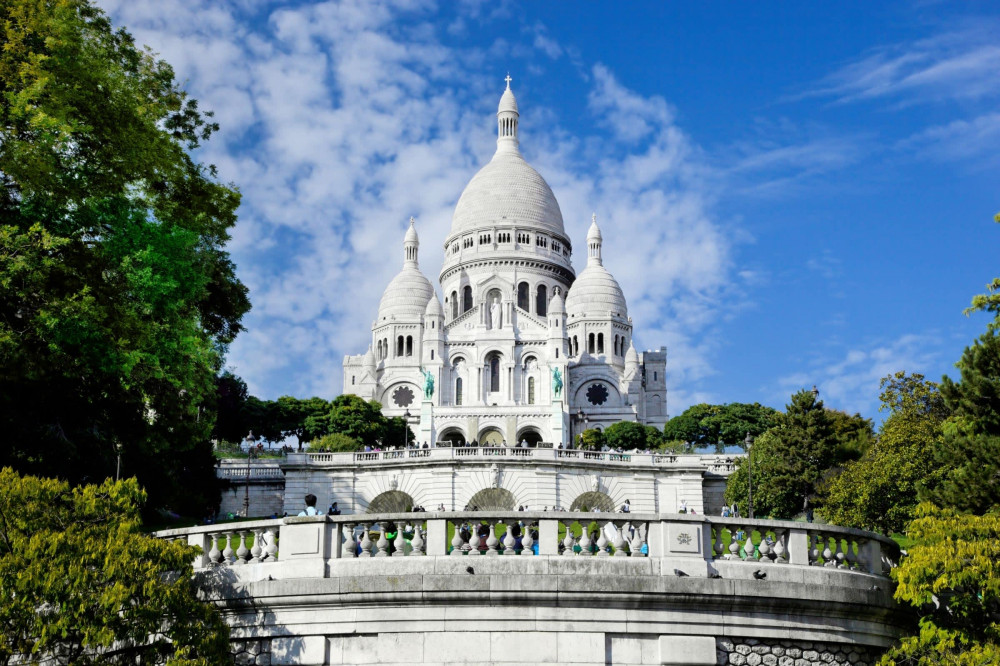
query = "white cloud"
{"x": 958, "y": 140}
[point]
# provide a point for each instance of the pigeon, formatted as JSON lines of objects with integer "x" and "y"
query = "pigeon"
{"x": 679, "y": 573}
{"x": 715, "y": 575}
{"x": 759, "y": 575}
{"x": 470, "y": 570}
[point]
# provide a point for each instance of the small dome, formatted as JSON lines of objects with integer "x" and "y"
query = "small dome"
{"x": 556, "y": 305}
{"x": 411, "y": 234}
{"x": 596, "y": 293}
{"x": 369, "y": 360}
{"x": 631, "y": 356}
{"x": 594, "y": 233}
{"x": 434, "y": 307}
{"x": 507, "y": 101}
{"x": 406, "y": 296}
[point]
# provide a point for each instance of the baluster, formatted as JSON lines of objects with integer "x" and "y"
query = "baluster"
{"x": 602, "y": 544}
{"x": 635, "y": 547}
{"x": 840, "y": 557}
{"x": 382, "y": 543}
{"x": 765, "y": 550}
{"x": 619, "y": 542}
{"x": 780, "y": 552}
{"x": 242, "y": 552}
{"x": 852, "y": 558}
{"x": 227, "y": 552}
{"x": 214, "y": 555}
{"x": 720, "y": 547}
{"x": 508, "y": 541}
{"x": 474, "y": 541}
{"x": 585, "y": 542}
{"x": 399, "y": 543}
{"x": 828, "y": 560}
{"x": 527, "y": 542}
{"x": 734, "y": 545}
{"x": 748, "y": 545}
{"x": 366, "y": 543}
{"x": 457, "y": 541}
{"x": 418, "y": 541}
{"x": 863, "y": 563}
{"x": 569, "y": 542}
{"x": 347, "y": 552}
{"x": 491, "y": 542}
{"x": 814, "y": 551}
{"x": 256, "y": 550}
{"x": 270, "y": 544}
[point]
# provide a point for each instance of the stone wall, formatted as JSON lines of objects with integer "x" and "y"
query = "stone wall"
{"x": 753, "y": 652}
{"x": 267, "y": 498}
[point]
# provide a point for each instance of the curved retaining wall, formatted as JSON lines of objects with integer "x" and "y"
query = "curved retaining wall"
{"x": 650, "y": 589}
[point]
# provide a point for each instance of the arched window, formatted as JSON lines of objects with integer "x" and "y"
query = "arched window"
{"x": 523, "y": 298}
{"x": 590, "y": 344}
{"x": 458, "y": 391}
{"x": 454, "y": 304}
{"x": 531, "y": 390}
{"x": 575, "y": 349}
{"x": 616, "y": 345}
{"x": 352, "y": 380}
{"x": 432, "y": 354}
{"x": 467, "y": 299}
{"x": 600, "y": 343}
{"x": 399, "y": 346}
{"x": 409, "y": 345}
{"x": 494, "y": 363}
{"x": 385, "y": 348}
{"x": 541, "y": 301}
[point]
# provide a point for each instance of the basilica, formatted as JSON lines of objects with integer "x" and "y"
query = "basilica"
{"x": 523, "y": 350}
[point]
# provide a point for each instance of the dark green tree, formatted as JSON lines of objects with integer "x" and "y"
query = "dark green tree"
{"x": 626, "y": 435}
{"x": 593, "y": 439}
{"x": 719, "y": 426}
{"x": 693, "y": 426}
{"x": 359, "y": 419}
{"x": 82, "y": 584}
{"x": 117, "y": 299}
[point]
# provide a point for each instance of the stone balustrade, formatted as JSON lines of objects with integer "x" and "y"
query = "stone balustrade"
{"x": 712, "y": 541}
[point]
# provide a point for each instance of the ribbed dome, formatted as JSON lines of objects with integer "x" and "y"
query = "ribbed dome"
{"x": 556, "y": 305}
{"x": 434, "y": 307}
{"x": 508, "y": 187}
{"x": 595, "y": 293}
{"x": 507, "y": 101}
{"x": 406, "y": 295}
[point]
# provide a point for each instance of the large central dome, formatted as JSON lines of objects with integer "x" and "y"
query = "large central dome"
{"x": 507, "y": 191}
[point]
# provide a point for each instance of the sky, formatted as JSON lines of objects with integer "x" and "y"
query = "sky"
{"x": 790, "y": 194}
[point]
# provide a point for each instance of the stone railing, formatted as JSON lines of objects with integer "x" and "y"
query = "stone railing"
{"x": 704, "y": 546}
{"x": 259, "y": 470}
{"x": 716, "y": 464}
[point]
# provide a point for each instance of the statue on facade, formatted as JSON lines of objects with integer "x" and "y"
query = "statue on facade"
{"x": 557, "y": 382}
{"x": 428, "y": 383}
{"x": 495, "y": 316}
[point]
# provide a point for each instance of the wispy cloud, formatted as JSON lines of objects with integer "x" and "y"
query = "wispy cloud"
{"x": 958, "y": 140}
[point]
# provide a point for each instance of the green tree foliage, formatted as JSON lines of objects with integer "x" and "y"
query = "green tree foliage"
{"x": 969, "y": 453}
{"x": 335, "y": 442}
{"x": 720, "y": 425}
{"x": 879, "y": 491}
{"x": 788, "y": 460}
{"x": 394, "y": 431}
{"x": 593, "y": 440}
{"x": 81, "y": 584}
{"x": 626, "y": 435}
{"x": 654, "y": 438}
{"x": 359, "y": 419}
{"x": 117, "y": 299}
{"x": 854, "y": 434}
{"x": 990, "y": 301}
{"x": 950, "y": 576}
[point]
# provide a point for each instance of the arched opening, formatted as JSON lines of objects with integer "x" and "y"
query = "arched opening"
{"x": 600, "y": 343}
{"x": 590, "y": 344}
{"x": 454, "y": 304}
{"x": 492, "y": 499}
{"x": 493, "y": 366}
{"x": 575, "y": 351}
{"x": 531, "y": 390}
{"x": 453, "y": 436}
{"x": 523, "y": 297}
{"x": 385, "y": 348}
{"x": 378, "y": 350}
{"x": 530, "y": 435}
{"x": 616, "y": 345}
{"x": 399, "y": 346}
{"x": 409, "y": 345}
{"x": 541, "y": 301}
{"x": 458, "y": 391}
{"x": 491, "y": 437}
{"x": 391, "y": 501}
{"x": 591, "y": 500}
{"x": 494, "y": 318}
{"x": 466, "y": 299}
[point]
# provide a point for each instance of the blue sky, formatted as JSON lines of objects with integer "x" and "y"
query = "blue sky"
{"x": 790, "y": 194}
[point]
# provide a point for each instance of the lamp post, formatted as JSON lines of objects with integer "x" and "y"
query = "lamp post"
{"x": 406, "y": 425}
{"x": 582, "y": 418}
{"x": 251, "y": 442}
{"x": 747, "y": 443}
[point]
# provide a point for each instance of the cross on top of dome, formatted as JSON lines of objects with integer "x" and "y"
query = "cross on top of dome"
{"x": 508, "y": 80}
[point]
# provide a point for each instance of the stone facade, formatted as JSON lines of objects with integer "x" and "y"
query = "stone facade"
{"x": 753, "y": 652}
{"x": 523, "y": 348}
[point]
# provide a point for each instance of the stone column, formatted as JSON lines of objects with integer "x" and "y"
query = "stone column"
{"x": 559, "y": 432}
{"x": 426, "y": 433}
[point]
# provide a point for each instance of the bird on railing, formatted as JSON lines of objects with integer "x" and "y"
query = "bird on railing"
{"x": 759, "y": 575}
{"x": 470, "y": 570}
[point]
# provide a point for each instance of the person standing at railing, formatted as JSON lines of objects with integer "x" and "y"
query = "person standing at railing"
{"x": 310, "y": 509}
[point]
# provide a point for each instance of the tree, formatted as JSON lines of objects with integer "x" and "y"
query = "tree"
{"x": 879, "y": 491}
{"x": 720, "y": 425}
{"x": 593, "y": 440}
{"x": 83, "y": 585}
{"x": 118, "y": 299}
{"x": 355, "y": 417}
{"x": 335, "y": 442}
{"x": 788, "y": 460}
{"x": 950, "y": 577}
{"x": 626, "y": 435}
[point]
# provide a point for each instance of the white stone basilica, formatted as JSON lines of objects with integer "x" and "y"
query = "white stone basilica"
{"x": 523, "y": 349}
